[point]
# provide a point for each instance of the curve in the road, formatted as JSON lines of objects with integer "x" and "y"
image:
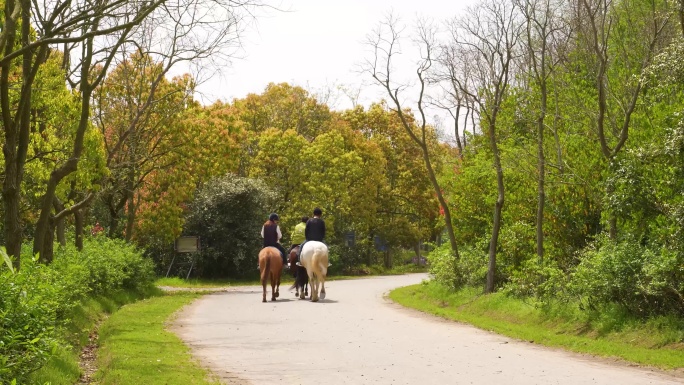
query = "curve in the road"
{"x": 357, "y": 336}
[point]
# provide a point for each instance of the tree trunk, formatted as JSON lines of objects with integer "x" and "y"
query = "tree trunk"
{"x": 457, "y": 131}
{"x": 541, "y": 164}
{"x": 113, "y": 224}
{"x": 45, "y": 226}
{"x": 47, "y": 251}
{"x": 10, "y": 195}
{"x": 465, "y": 124}
{"x": 13, "y": 164}
{"x": 130, "y": 218}
{"x": 442, "y": 201}
{"x": 541, "y": 194}
{"x": 612, "y": 219}
{"x": 556, "y": 123}
{"x": 680, "y": 12}
{"x": 114, "y": 213}
{"x": 496, "y": 225}
{"x": 61, "y": 231}
{"x": 78, "y": 224}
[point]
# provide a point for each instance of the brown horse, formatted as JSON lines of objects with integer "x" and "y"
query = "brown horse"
{"x": 299, "y": 273}
{"x": 271, "y": 266}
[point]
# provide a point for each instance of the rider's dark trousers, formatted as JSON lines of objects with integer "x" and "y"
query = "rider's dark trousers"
{"x": 282, "y": 252}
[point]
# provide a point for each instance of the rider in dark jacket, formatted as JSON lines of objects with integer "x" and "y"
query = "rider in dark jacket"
{"x": 271, "y": 234}
{"x": 315, "y": 229}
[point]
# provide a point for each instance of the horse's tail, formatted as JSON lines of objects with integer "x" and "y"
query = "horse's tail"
{"x": 266, "y": 272}
{"x": 320, "y": 260}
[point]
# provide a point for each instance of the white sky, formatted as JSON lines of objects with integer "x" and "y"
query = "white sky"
{"x": 316, "y": 44}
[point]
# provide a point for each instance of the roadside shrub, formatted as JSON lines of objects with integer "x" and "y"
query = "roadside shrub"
{"x": 643, "y": 281}
{"x": 338, "y": 263}
{"x": 30, "y": 300}
{"x": 472, "y": 266}
{"x": 227, "y": 213}
{"x": 35, "y": 302}
{"x": 469, "y": 270}
{"x": 516, "y": 246}
{"x": 443, "y": 267}
{"x": 546, "y": 282}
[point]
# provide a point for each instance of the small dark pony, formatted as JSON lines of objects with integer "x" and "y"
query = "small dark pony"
{"x": 271, "y": 266}
{"x": 299, "y": 273}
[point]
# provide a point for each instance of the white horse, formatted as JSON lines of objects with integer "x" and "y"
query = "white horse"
{"x": 314, "y": 257}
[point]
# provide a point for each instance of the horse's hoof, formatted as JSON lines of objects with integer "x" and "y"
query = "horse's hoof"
{"x": 322, "y": 295}
{"x": 277, "y": 295}
{"x": 314, "y": 300}
{"x": 264, "y": 300}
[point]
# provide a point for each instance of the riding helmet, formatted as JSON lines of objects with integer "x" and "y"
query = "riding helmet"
{"x": 273, "y": 217}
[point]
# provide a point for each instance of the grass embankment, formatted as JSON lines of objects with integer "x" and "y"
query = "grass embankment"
{"x": 286, "y": 278}
{"x": 657, "y": 342}
{"x": 63, "y": 367}
{"x": 136, "y": 349}
{"x": 198, "y": 283}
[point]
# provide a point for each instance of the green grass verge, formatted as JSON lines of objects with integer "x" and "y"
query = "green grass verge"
{"x": 62, "y": 368}
{"x": 286, "y": 278}
{"x": 658, "y": 342}
{"x": 135, "y": 348}
{"x": 204, "y": 283}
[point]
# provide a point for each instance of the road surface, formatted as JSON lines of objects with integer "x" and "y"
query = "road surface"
{"x": 357, "y": 336}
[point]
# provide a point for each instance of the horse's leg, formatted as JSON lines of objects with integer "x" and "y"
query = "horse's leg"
{"x": 301, "y": 291}
{"x": 273, "y": 290}
{"x": 304, "y": 276}
{"x": 314, "y": 288}
{"x": 312, "y": 282}
{"x": 263, "y": 283}
{"x": 322, "y": 287}
{"x": 277, "y": 288}
{"x": 265, "y": 275}
{"x": 272, "y": 287}
{"x": 294, "y": 274}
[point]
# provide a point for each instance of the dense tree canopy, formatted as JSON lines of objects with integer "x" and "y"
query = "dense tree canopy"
{"x": 571, "y": 138}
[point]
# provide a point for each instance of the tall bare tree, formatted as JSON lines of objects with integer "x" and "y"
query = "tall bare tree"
{"x": 544, "y": 31}
{"x": 680, "y": 14}
{"x": 610, "y": 30}
{"x": 91, "y": 35}
{"x": 201, "y": 35}
{"x": 29, "y": 32}
{"x": 451, "y": 100}
{"x": 385, "y": 42}
{"x": 486, "y": 41}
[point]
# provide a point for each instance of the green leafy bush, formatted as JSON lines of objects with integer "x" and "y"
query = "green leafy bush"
{"x": 29, "y": 303}
{"x": 547, "y": 282}
{"x": 35, "y": 302}
{"x": 105, "y": 265}
{"x": 469, "y": 270}
{"x": 227, "y": 213}
{"x": 443, "y": 267}
{"x": 643, "y": 280}
{"x": 516, "y": 245}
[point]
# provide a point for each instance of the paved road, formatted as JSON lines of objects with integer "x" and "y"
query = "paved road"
{"x": 356, "y": 336}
